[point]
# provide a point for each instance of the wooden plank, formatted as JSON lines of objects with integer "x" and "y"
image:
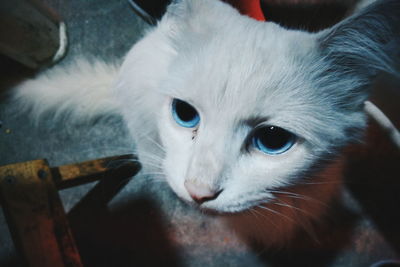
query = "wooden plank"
{"x": 36, "y": 216}
{"x": 123, "y": 166}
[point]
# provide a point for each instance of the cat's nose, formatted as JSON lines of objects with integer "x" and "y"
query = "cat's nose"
{"x": 201, "y": 192}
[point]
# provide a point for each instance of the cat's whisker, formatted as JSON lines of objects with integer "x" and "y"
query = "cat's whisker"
{"x": 297, "y": 196}
{"x": 152, "y": 157}
{"x": 156, "y": 143}
{"x": 253, "y": 213}
{"x": 322, "y": 183}
{"x": 264, "y": 216}
{"x": 308, "y": 231}
{"x": 120, "y": 149}
{"x": 126, "y": 160}
{"x": 153, "y": 174}
{"x": 256, "y": 221}
{"x": 284, "y": 204}
{"x": 152, "y": 164}
{"x": 287, "y": 193}
{"x": 145, "y": 135}
{"x": 119, "y": 162}
{"x": 276, "y": 212}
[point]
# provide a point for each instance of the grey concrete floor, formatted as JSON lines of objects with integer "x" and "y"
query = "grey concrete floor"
{"x": 145, "y": 224}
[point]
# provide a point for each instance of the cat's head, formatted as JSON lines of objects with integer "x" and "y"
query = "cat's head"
{"x": 239, "y": 108}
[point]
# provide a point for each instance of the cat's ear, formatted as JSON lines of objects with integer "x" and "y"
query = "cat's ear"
{"x": 366, "y": 43}
{"x": 184, "y": 17}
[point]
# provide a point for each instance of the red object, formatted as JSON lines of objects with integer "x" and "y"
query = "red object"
{"x": 251, "y": 8}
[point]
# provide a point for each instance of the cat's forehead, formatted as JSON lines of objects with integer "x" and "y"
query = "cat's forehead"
{"x": 244, "y": 75}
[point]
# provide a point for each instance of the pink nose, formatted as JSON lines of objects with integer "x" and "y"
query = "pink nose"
{"x": 201, "y": 192}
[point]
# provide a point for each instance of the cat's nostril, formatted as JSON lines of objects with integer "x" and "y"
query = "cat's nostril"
{"x": 201, "y": 192}
{"x": 201, "y": 199}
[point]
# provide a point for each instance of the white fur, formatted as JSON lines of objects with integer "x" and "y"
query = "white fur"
{"x": 232, "y": 69}
{"x": 80, "y": 89}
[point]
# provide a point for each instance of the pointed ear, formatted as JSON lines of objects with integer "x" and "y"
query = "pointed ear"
{"x": 176, "y": 18}
{"x": 186, "y": 9}
{"x": 366, "y": 43}
{"x": 195, "y": 16}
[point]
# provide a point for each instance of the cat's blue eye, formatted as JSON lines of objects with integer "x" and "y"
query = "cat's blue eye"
{"x": 273, "y": 140}
{"x": 184, "y": 114}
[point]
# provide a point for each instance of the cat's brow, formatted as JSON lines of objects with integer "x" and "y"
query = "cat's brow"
{"x": 254, "y": 121}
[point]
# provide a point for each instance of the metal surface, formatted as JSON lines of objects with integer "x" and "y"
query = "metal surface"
{"x": 36, "y": 216}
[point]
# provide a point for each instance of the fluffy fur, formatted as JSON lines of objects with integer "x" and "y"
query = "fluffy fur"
{"x": 81, "y": 90}
{"x": 238, "y": 73}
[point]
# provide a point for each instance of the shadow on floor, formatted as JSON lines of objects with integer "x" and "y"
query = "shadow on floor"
{"x": 134, "y": 235}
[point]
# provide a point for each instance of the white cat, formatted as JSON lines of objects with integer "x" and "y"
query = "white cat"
{"x": 240, "y": 116}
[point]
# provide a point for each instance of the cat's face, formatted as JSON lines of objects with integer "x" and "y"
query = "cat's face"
{"x": 238, "y": 134}
{"x": 221, "y": 154}
{"x": 240, "y": 108}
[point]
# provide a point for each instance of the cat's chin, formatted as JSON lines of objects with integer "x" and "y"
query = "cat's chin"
{"x": 216, "y": 210}
{"x": 213, "y": 212}
{"x": 228, "y": 211}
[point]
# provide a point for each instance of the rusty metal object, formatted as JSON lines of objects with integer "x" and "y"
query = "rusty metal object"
{"x": 34, "y": 211}
{"x": 80, "y": 173}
